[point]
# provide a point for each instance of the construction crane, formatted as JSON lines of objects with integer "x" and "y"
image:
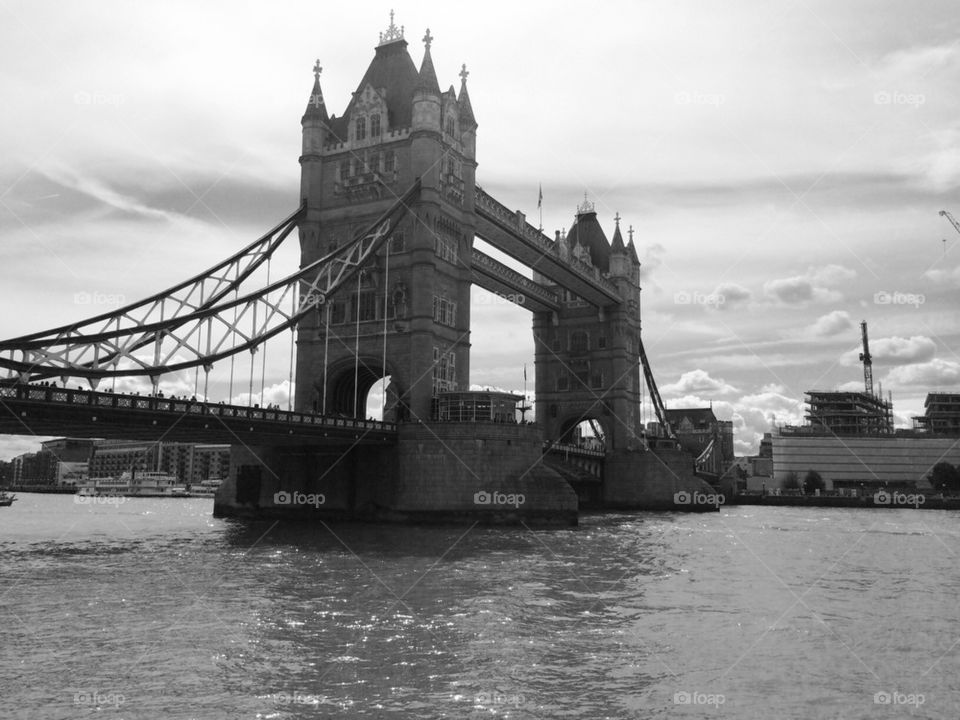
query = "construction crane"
{"x": 867, "y": 360}
{"x": 953, "y": 221}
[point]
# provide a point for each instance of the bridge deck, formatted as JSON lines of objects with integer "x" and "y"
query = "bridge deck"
{"x": 49, "y": 410}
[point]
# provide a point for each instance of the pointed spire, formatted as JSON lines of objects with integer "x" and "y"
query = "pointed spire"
{"x": 467, "y": 120}
{"x": 617, "y": 244}
{"x": 631, "y": 248}
{"x": 316, "y": 108}
{"x": 428, "y": 75}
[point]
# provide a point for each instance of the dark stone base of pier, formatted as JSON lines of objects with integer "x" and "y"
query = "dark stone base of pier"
{"x": 462, "y": 473}
{"x": 656, "y": 479}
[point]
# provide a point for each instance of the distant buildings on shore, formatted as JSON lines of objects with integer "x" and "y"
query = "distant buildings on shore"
{"x": 850, "y": 442}
{"x": 67, "y": 461}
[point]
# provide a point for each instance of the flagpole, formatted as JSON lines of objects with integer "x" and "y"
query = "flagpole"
{"x": 540, "y": 206}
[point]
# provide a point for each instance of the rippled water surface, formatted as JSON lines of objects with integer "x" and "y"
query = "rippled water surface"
{"x": 154, "y": 609}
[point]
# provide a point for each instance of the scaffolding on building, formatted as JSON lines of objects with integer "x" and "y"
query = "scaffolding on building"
{"x": 941, "y": 414}
{"x": 849, "y": 413}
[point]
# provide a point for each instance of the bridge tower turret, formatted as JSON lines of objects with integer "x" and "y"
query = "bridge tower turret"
{"x": 587, "y": 358}
{"x": 314, "y": 129}
{"x": 407, "y": 316}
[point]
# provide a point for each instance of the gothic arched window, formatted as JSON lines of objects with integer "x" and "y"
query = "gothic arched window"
{"x": 361, "y": 128}
{"x": 375, "y": 125}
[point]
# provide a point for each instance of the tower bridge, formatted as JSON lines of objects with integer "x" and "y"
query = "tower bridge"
{"x": 388, "y": 211}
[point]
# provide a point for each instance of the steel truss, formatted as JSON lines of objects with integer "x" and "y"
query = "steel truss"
{"x": 195, "y": 324}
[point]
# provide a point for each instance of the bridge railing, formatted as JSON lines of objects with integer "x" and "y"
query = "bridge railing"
{"x": 178, "y": 406}
{"x": 572, "y": 450}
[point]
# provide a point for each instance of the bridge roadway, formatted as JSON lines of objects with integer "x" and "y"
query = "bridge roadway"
{"x": 50, "y": 410}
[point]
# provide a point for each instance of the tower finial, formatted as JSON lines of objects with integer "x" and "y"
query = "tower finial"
{"x": 317, "y": 70}
{"x": 392, "y": 33}
{"x": 464, "y": 73}
{"x": 586, "y": 206}
{"x": 427, "y": 39}
{"x": 630, "y": 233}
{"x": 616, "y": 219}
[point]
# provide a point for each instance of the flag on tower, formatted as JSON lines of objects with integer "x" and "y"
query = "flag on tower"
{"x": 524, "y": 372}
{"x": 540, "y": 199}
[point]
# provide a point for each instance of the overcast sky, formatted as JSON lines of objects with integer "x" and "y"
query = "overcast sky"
{"x": 782, "y": 164}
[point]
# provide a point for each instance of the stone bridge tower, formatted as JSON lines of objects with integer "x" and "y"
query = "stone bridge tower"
{"x": 408, "y": 316}
{"x": 587, "y": 359}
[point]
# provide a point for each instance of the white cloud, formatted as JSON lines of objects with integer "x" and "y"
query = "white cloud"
{"x": 936, "y": 374}
{"x": 894, "y": 351}
{"x": 833, "y": 323}
{"x": 811, "y": 287}
{"x": 697, "y": 381}
{"x": 944, "y": 277}
{"x": 733, "y": 295}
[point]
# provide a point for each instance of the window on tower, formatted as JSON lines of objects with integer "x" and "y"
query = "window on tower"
{"x": 375, "y": 125}
{"x": 444, "y": 311}
{"x": 451, "y": 125}
{"x": 579, "y": 342}
{"x": 366, "y": 305}
{"x": 389, "y": 161}
{"x": 361, "y": 128}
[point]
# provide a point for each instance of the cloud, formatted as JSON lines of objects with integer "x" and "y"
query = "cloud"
{"x": 811, "y": 287}
{"x": 652, "y": 260}
{"x": 277, "y": 394}
{"x": 931, "y": 375}
{"x": 944, "y": 277}
{"x": 733, "y": 295}
{"x": 830, "y": 324}
{"x": 895, "y": 351}
{"x": 758, "y": 413}
{"x": 698, "y": 381}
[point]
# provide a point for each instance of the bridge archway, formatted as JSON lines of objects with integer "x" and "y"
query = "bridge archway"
{"x": 352, "y": 387}
{"x": 586, "y": 430}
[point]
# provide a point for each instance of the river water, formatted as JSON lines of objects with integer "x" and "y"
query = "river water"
{"x": 151, "y": 608}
